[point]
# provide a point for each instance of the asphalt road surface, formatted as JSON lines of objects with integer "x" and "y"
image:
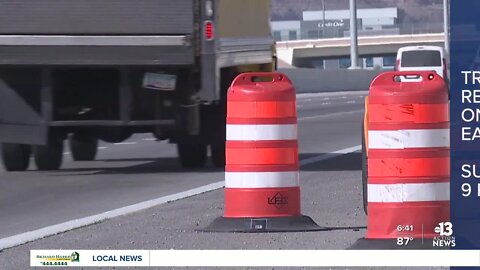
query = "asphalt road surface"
{"x": 144, "y": 170}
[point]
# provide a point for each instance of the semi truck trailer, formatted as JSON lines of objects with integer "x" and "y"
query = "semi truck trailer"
{"x": 76, "y": 72}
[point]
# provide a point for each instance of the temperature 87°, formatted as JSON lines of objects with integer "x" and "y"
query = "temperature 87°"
{"x": 403, "y": 241}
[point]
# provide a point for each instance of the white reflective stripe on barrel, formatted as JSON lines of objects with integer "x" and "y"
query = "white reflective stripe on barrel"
{"x": 410, "y": 138}
{"x": 261, "y": 132}
{"x": 418, "y": 192}
{"x": 261, "y": 179}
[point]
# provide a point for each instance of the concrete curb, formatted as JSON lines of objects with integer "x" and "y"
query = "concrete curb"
{"x": 308, "y": 80}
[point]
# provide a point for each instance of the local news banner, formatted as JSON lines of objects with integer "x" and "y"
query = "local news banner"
{"x": 461, "y": 232}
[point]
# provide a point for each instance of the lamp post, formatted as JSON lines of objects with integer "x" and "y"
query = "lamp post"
{"x": 446, "y": 25}
{"x": 323, "y": 18}
{"x": 353, "y": 35}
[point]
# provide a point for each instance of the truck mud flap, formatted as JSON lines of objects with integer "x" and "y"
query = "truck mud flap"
{"x": 19, "y": 121}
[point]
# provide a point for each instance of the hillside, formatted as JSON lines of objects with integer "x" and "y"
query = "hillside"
{"x": 410, "y": 11}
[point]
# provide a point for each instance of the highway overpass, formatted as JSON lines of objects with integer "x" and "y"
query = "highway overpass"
{"x": 294, "y": 51}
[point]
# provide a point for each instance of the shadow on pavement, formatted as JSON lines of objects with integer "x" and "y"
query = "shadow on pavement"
{"x": 147, "y": 165}
{"x": 347, "y": 162}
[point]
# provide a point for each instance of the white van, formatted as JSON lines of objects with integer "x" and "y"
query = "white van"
{"x": 422, "y": 58}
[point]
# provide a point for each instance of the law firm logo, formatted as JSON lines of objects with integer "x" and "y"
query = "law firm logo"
{"x": 75, "y": 257}
{"x": 58, "y": 259}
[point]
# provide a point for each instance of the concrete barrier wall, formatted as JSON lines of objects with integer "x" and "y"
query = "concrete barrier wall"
{"x": 317, "y": 80}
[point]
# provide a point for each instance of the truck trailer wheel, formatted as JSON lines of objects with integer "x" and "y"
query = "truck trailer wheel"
{"x": 83, "y": 147}
{"x": 192, "y": 154}
{"x": 49, "y": 157}
{"x": 16, "y": 157}
{"x": 364, "y": 173}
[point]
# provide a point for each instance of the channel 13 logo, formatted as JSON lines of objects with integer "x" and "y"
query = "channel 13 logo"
{"x": 445, "y": 238}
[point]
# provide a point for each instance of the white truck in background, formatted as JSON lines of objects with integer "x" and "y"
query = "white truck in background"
{"x": 422, "y": 58}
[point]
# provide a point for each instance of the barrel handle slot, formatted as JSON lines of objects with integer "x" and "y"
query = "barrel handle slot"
{"x": 407, "y": 78}
{"x": 387, "y": 78}
{"x": 252, "y": 78}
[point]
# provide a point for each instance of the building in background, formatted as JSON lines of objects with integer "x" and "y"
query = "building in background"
{"x": 371, "y": 21}
{"x": 286, "y": 30}
{"x": 315, "y": 29}
{"x": 336, "y": 24}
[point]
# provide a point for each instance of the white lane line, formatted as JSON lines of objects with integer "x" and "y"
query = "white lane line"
{"x": 67, "y": 153}
{"x": 330, "y": 155}
{"x": 30, "y": 236}
{"x": 149, "y": 139}
{"x": 126, "y": 143}
{"x": 327, "y": 115}
{"x": 332, "y": 94}
{"x": 77, "y": 223}
{"x": 336, "y": 101}
{"x": 330, "y": 103}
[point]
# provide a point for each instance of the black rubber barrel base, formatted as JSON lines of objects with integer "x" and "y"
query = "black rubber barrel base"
{"x": 259, "y": 225}
{"x": 391, "y": 244}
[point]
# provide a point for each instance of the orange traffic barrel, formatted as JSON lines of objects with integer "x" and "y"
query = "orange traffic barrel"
{"x": 262, "y": 187}
{"x": 408, "y": 156}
